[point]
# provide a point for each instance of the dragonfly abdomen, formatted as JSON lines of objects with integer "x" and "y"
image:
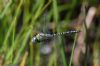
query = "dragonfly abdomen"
{"x": 68, "y": 32}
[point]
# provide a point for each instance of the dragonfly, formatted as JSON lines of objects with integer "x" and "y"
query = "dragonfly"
{"x": 42, "y": 37}
{"x": 45, "y": 37}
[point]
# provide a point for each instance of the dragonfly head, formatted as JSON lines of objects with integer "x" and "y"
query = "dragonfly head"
{"x": 37, "y": 38}
{"x": 34, "y": 40}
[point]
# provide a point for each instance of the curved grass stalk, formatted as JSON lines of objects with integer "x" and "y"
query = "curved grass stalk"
{"x": 73, "y": 50}
{"x": 22, "y": 46}
{"x": 11, "y": 26}
{"x": 5, "y": 9}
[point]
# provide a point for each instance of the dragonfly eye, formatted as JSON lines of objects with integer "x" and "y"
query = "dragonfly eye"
{"x": 34, "y": 40}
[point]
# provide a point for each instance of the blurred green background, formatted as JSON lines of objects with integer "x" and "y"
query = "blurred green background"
{"x": 20, "y": 20}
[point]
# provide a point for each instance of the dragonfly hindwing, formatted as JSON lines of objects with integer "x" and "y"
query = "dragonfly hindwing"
{"x": 43, "y": 37}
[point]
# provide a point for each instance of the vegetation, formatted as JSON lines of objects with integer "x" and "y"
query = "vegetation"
{"x": 20, "y": 20}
